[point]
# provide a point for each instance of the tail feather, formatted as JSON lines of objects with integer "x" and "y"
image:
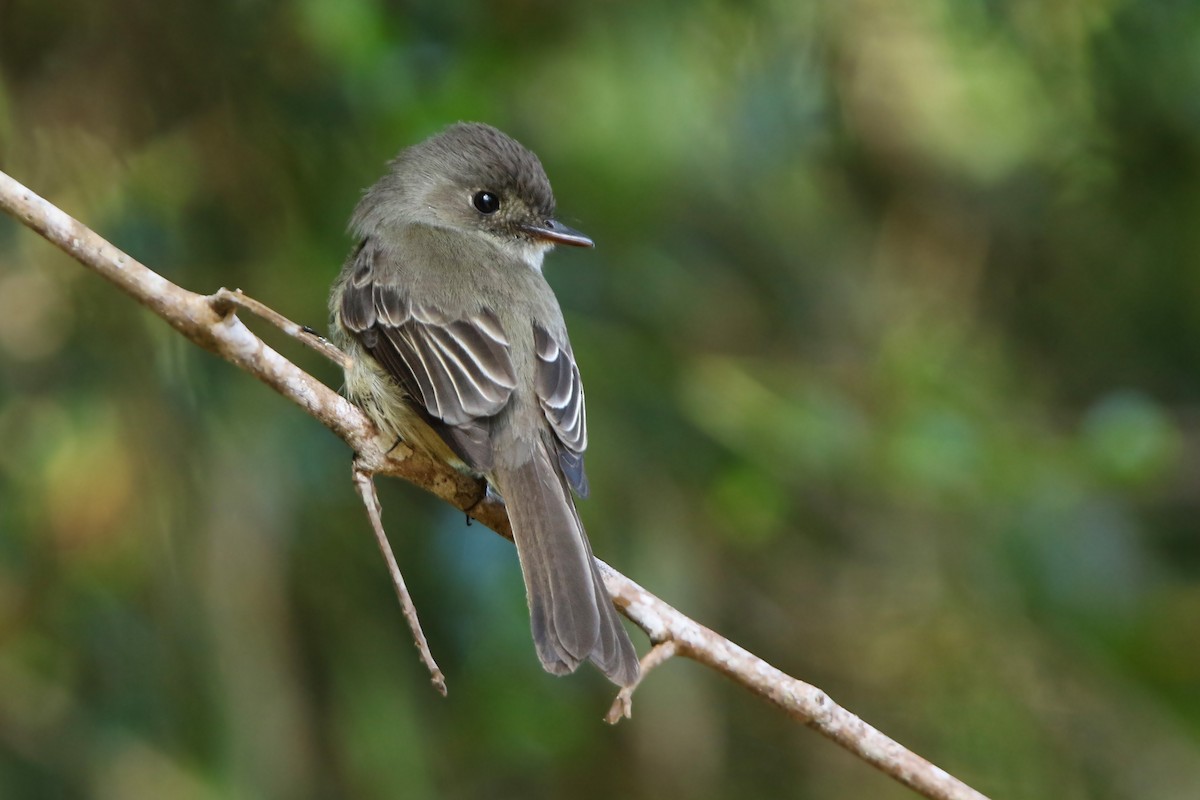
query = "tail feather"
{"x": 571, "y": 614}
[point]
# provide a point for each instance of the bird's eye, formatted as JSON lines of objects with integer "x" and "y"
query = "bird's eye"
{"x": 486, "y": 202}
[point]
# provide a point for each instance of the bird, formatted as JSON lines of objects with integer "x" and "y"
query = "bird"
{"x": 459, "y": 348}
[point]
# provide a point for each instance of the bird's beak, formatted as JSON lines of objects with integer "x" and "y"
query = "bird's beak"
{"x": 555, "y": 232}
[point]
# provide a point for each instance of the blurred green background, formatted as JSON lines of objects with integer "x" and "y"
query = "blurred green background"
{"x": 891, "y": 342}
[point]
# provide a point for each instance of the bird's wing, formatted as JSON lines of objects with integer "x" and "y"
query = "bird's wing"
{"x": 560, "y": 393}
{"x": 458, "y": 371}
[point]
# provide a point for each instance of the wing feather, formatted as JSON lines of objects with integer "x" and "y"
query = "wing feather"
{"x": 560, "y": 393}
{"x": 458, "y": 372}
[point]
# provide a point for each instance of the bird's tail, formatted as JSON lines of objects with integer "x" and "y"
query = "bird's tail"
{"x": 572, "y": 616}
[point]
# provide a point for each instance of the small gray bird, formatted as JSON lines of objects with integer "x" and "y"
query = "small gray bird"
{"x": 460, "y": 349}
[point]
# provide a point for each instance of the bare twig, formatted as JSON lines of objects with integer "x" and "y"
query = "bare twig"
{"x": 222, "y": 333}
{"x": 366, "y": 490}
{"x": 622, "y": 707}
{"x": 225, "y": 298}
{"x": 801, "y": 701}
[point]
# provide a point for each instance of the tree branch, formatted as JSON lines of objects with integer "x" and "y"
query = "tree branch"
{"x": 211, "y": 323}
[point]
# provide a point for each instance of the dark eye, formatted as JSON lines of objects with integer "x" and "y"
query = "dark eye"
{"x": 486, "y": 202}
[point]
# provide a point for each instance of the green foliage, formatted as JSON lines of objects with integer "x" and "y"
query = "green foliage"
{"x": 891, "y": 344}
